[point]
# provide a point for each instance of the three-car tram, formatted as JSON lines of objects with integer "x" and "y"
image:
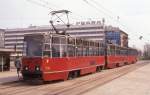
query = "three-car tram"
{"x": 60, "y": 57}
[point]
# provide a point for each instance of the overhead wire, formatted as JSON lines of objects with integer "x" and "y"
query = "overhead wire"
{"x": 107, "y": 12}
{"x": 110, "y": 14}
{"x": 45, "y": 5}
{"x": 100, "y": 5}
{"x": 104, "y": 12}
{"x": 39, "y": 4}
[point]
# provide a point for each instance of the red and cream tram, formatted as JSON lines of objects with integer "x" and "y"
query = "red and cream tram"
{"x": 61, "y": 57}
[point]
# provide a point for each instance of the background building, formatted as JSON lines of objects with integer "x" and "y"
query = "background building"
{"x": 14, "y": 37}
{"x": 85, "y": 30}
{"x": 116, "y": 36}
{"x": 2, "y": 38}
{"x": 93, "y": 30}
{"x": 5, "y": 59}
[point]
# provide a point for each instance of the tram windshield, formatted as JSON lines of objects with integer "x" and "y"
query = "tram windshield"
{"x": 33, "y": 45}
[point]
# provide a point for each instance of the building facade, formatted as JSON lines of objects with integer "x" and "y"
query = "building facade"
{"x": 89, "y": 31}
{"x": 2, "y": 38}
{"x": 5, "y": 59}
{"x": 95, "y": 31}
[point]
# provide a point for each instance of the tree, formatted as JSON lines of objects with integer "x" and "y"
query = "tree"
{"x": 146, "y": 52}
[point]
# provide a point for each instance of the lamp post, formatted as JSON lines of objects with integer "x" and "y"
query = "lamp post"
{"x": 2, "y": 64}
{"x": 105, "y": 42}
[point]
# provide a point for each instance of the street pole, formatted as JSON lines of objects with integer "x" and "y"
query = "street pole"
{"x": 105, "y": 43}
{"x": 2, "y": 64}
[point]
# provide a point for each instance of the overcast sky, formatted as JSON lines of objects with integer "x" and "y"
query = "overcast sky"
{"x": 134, "y": 15}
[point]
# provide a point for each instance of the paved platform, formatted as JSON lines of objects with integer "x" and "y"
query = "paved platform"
{"x": 8, "y": 76}
{"x": 134, "y": 83}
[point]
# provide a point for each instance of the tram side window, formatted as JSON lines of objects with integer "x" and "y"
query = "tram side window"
{"x": 101, "y": 51}
{"x": 123, "y": 52}
{"x": 79, "y": 51}
{"x": 108, "y": 50}
{"x": 71, "y": 41}
{"x": 56, "y": 40}
{"x": 118, "y": 52}
{"x": 63, "y": 40}
{"x": 46, "y": 54}
{"x": 91, "y": 51}
{"x": 47, "y": 51}
{"x": 71, "y": 50}
{"x": 78, "y": 41}
{"x": 96, "y": 51}
{"x": 84, "y": 51}
{"x": 55, "y": 50}
{"x": 59, "y": 50}
{"x": 133, "y": 52}
{"x": 47, "y": 39}
{"x": 136, "y": 52}
{"x": 129, "y": 52}
{"x": 63, "y": 47}
{"x": 111, "y": 51}
{"x": 126, "y": 52}
{"x": 114, "y": 51}
{"x": 87, "y": 51}
{"x": 63, "y": 50}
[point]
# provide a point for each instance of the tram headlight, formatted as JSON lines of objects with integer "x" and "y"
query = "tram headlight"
{"x": 37, "y": 68}
{"x": 26, "y": 68}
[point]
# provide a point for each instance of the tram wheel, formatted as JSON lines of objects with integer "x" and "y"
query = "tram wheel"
{"x": 99, "y": 69}
{"x": 73, "y": 74}
{"x": 117, "y": 65}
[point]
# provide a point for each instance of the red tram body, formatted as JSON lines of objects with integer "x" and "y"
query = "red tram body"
{"x": 59, "y": 57}
{"x": 119, "y": 56}
{"x": 59, "y": 68}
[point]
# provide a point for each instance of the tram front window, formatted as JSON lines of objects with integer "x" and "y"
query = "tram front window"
{"x": 34, "y": 45}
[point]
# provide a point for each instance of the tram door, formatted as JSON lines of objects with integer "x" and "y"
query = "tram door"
{"x": 59, "y": 46}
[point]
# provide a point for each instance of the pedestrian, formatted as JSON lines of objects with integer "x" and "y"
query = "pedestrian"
{"x": 18, "y": 65}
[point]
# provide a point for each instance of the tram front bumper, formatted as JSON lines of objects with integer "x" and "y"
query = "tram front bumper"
{"x": 28, "y": 75}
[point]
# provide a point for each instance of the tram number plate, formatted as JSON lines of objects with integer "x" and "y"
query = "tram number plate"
{"x": 92, "y": 63}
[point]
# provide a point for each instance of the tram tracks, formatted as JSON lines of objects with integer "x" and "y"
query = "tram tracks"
{"x": 80, "y": 84}
{"x": 89, "y": 85}
{"x": 77, "y": 86}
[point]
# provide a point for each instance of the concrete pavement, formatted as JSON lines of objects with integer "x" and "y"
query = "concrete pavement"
{"x": 8, "y": 76}
{"x": 134, "y": 83}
